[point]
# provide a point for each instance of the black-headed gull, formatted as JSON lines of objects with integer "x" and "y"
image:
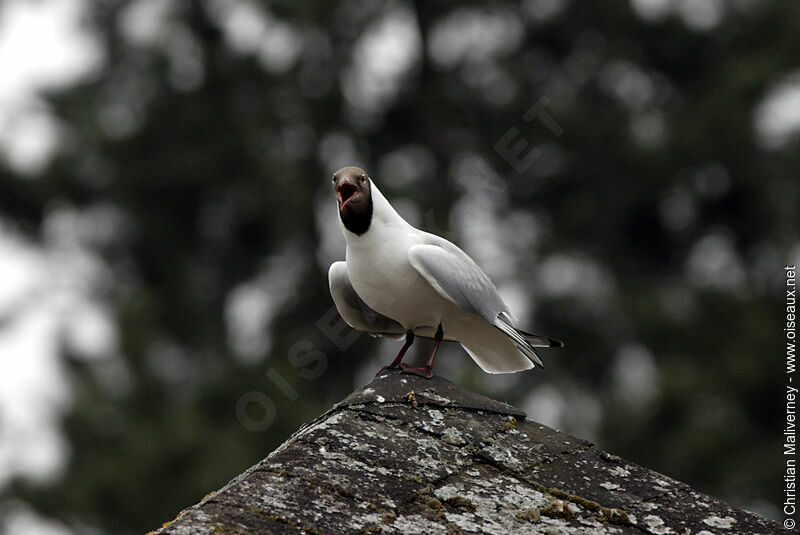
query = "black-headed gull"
{"x": 397, "y": 280}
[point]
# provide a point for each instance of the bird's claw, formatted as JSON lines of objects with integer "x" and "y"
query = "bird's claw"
{"x": 401, "y": 366}
{"x": 425, "y": 371}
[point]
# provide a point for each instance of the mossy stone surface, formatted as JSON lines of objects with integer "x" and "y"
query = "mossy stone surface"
{"x": 445, "y": 460}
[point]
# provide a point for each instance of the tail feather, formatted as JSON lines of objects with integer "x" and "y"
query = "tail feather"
{"x": 491, "y": 348}
{"x": 518, "y": 338}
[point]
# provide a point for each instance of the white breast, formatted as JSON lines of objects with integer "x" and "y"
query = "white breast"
{"x": 378, "y": 267}
{"x": 382, "y": 275}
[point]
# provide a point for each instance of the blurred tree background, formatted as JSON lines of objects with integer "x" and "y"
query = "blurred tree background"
{"x": 625, "y": 171}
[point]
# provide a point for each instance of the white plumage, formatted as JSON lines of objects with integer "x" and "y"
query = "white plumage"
{"x": 397, "y": 279}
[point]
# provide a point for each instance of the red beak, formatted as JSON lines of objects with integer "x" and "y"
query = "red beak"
{"x": 346, "y": 192}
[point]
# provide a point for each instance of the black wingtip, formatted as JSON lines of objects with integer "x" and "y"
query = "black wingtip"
{"x": 538, "y": 340}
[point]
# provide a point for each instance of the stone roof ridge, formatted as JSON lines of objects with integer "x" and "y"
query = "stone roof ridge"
{"x": 407, "y": 455}
{"x": 394, "y": 387}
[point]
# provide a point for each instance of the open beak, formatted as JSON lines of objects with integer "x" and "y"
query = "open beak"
{"x": 346, "y": 193}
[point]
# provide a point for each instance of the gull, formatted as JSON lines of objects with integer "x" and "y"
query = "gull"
{"x": 397, "y": 280}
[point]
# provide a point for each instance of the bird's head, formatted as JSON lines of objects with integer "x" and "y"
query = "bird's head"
{"x": 352, "y": 187}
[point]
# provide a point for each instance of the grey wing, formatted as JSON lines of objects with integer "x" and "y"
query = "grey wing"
{"x": 353, "y": 309}
{"x": 455, "y": 276}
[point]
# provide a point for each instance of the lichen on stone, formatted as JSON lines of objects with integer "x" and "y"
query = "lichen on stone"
{"x": 528, "y": 515}
{"x": 558, "y": 509}
{"x": 510, "y": 424}
{"x": 434, "y": 504}
{"x": 456, "y": 463}
{"x": 717, "y": 522}
{"x": 459, "y": 502}
{"x": 453, "y": 436}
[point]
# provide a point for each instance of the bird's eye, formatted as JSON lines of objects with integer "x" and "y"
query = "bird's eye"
{"x": 333, "y": 179}
{"x": 363, "y": 179}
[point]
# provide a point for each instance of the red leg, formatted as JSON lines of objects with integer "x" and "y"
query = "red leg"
{"x": 427, "y": 370}
{"x": 396, "y": 363}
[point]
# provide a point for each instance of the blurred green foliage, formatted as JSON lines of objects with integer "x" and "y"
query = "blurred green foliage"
{"x": 654, "y": 206}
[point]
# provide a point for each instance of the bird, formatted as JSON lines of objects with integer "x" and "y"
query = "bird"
{"x": 397, "y": 280}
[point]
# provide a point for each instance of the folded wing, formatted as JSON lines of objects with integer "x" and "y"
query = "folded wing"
{"x": 456, "y": 277}
{"x": 355, "y": 312}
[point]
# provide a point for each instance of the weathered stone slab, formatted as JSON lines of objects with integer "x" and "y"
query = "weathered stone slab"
{"x": 525, "y": 445}
{"x": 393, "y": 387}
{"x": 399, "y": 448}
{"x": 406, "y": 455}
{"x": 455, "y": 426}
